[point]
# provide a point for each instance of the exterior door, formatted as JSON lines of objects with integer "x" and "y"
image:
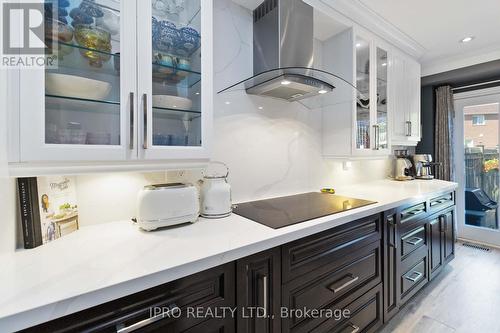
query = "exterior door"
{"x": 174, "y": 73}
{"x": 477, "y": 155}
{"x": 82, "y": 107}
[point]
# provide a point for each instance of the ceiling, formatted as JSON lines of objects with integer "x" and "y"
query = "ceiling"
{"x": 439, "y": 25}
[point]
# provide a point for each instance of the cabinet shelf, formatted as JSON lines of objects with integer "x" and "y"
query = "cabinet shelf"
{"x": 67, "y": 103}
{"x": 76, "y": 46}
{"x": 171, "y": 75}
{"x": 176, "y": 113}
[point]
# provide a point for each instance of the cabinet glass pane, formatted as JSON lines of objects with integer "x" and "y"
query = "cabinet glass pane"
{"x": 363, "y": 102}
{"x": 382, "y": 65}
{"x": 82, "y": 89}
{"x": 176, "y": 74}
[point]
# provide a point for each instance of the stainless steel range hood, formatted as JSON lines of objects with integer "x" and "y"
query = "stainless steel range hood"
{"x": 283, "y": 37}
{"x": 283, "y": 58}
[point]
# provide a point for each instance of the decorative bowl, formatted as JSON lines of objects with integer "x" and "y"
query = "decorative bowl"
{"x": 79, "y": 17}
{"x": 90, "y": 8}
{"x": 166, "y": 63}
{"x": 167, "y": 36}
{"x": 172, "y": 102}
{"x": 189, "y": 40}
{"x": 183, "y": 66}
{"x": 58, "y": 31}
{"x": 95, "y": 39}
{"x": 76, "y": 86}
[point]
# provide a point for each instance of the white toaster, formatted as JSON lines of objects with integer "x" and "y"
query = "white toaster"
{"x": 166, "y": 205}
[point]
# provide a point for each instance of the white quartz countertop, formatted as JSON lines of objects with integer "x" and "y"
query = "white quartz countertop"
{"x": 103, "y": 262}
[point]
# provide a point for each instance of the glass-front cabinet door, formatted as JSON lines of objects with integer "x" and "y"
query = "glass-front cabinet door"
{"x": 363, "y": 84}
{"x": 80, "y": 106}
{"x": 381, "y": 123}
{"x": 174, "y": 73}
{"x": 372, "y": 107}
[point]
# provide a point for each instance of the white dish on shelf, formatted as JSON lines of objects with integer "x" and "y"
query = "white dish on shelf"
{"x": 76, "y": 86}
{"x": 172, "y": 102}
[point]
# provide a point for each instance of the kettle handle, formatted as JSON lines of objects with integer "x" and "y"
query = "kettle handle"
{"x": 220, "y": 163}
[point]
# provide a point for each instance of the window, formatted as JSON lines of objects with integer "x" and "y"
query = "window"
{"x": 478, "y": 120}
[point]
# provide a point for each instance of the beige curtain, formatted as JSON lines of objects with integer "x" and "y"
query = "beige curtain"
{"x": 444, "y": 129}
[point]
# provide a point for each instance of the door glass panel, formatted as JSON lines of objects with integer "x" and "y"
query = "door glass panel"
{"x": 363, "y": 102}
{"x": 82, "y": 88}
{"x": 481, "y": 165}
{"x": 382, "y": 65}
{"x": 176, "y": 75}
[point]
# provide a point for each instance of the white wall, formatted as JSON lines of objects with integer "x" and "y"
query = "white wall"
{"x": 8, "y": 206}
{"x": 111, "y": 197}
{"x": 276, "y": 150}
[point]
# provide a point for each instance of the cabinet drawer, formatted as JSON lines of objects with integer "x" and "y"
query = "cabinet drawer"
{"x": 442, "y": 202}
{"x": 414, "y": 276}
{"x": 207, "y": 290}
{"x": 413, "y": 213}
{"x": 413, "y": 240}
{"x": 357, "y": 274}
{"x": 319, "y": 252}
{"x": 365, "y": 315}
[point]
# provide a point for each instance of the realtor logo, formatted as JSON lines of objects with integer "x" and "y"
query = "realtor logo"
{"x": 23, "y": 35}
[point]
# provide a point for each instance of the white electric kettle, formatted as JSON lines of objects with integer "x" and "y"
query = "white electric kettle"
{"x": 215, "y": 193}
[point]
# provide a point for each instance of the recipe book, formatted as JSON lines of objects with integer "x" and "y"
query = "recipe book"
{"x": 49, "y": 208}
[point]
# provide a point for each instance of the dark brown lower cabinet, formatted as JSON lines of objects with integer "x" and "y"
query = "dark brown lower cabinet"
{"x": 164, "y": 309}
{"x": 365, "y": 315}
{"x": 415, "y": 249}
{"x": 258, "y": 292}
{"x": 355, "y": 277}
{"x": 436, "y": 246}
{"x": 442, "y": 245}
{"x": 391, "y": 264}
{"x": 448, "y": 222}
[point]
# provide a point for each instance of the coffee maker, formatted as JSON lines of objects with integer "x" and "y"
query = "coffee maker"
{"x": 423, "y": 166}
{"x": 402, "y": 166}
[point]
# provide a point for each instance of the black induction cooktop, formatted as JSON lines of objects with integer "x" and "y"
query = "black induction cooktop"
{"x": 284, "y": 211}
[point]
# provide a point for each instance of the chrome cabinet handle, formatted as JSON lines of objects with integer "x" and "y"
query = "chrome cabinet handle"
{"x": 408, "y": 128}
{"x": 413, "y": 279}
{"x": 351, "y": 278}
{"x": 376, "y": 131}
{"x": 145, "y": 115}
{"x": 264, "y": 292}
{"x": 414, "y": 241}
{"x": 392, "y": 240}
{"x": 132, "y": 125}
{"x": 416, "y": 212}
{"x": 355, "y": 329}
{"x": 148, "y": 321}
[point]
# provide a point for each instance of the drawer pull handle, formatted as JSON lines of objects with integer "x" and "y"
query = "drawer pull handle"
{"x": 440, "y": 201}
{"x": 414, "y": 241}
{"x": 417, "y": 276}
{"x": 416, "y": 212}
{"x": 355, "y": 329}
{"x": 148, "y": 321}
{"x": 337, "y": 288}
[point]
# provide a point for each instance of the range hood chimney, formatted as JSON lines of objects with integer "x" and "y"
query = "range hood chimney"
{"x": 283, "y": 40}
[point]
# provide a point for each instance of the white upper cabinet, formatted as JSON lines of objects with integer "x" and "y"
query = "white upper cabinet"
{"x": 360, "y": 127}
{"x": 132, "y": 82}
{"x": 405, "y": 118}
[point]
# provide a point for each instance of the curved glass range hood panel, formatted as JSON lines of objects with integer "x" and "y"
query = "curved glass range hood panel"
{"x": 311, "y": 87}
